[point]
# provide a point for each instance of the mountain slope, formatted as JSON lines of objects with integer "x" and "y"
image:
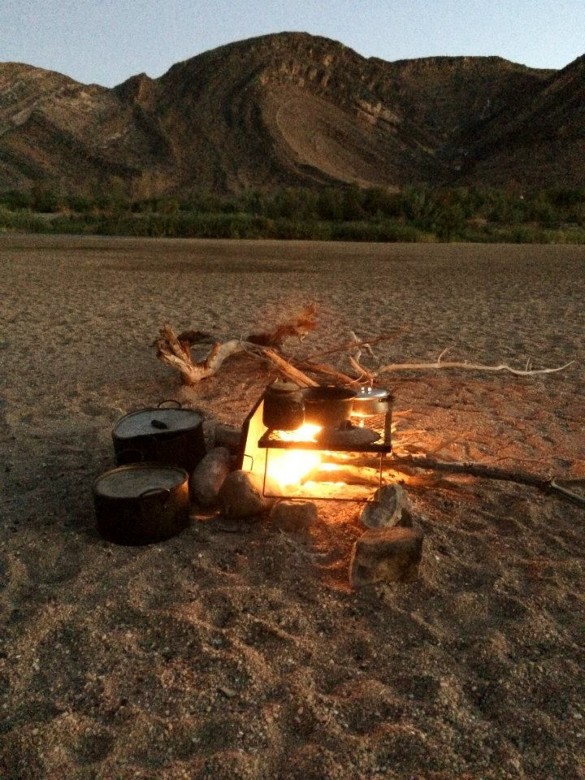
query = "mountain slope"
{"x": 543, "y": 142}
{"x": 293, "y": 109}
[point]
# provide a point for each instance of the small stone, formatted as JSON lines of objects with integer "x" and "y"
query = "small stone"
{"x": 241, "y": 495}
{"x": 386, "y": 555}
{"x": 229, "y": 693}
{"x": 294, "y": 516}
{"x": 209, "y": 475}
{"x": 388, "y": 508}
{"x": 229, "y": 437}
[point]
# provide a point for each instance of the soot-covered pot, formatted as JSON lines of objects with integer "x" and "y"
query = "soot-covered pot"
{"x": 328, "y": 406}
{"x": 168, "y": 435}
{"x": 141, "y": 503}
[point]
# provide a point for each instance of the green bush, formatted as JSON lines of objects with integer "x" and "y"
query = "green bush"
{"x": 344, "y": 213}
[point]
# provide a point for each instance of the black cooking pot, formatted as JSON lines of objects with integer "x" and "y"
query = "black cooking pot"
{"x": 141, "y": 503}
{"x": 327, "y": 406}
{"x": 283, "y": 406}
{"x": 171, "y": 436}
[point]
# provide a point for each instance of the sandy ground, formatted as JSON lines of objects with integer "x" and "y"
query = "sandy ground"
{"x": 247, "y": 655}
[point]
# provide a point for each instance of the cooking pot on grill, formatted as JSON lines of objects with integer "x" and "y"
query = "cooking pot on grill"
{"x": 168, "y": 435}
{"x": 283, "y": 406}
{"x": 141, "y": 503}
{"x": 328, "y": 406}
{"x": 370, "y": 401}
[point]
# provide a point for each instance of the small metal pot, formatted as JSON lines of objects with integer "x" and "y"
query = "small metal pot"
{"x": 141, "y": 503}
{"x": 371, "y": 401}
{"x": 283, "y": 408}
{"x": 328, "y": 406}
{"x": 172, "y": 436}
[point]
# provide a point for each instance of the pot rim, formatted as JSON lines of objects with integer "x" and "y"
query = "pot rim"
{"x": 142, "y": 466}
{"x": 328, "y": 393}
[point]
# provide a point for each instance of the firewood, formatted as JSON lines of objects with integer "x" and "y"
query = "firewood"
{"x": 485, "y": 471}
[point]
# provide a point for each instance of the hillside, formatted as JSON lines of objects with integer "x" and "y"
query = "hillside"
{"x": 294, "y": 109}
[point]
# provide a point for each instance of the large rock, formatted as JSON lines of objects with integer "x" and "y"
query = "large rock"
{"x": 209, "y": 475}
{"x": 386, "y": 555}
{"x": 241, "y": 495}
{"x": 389, "y": 507}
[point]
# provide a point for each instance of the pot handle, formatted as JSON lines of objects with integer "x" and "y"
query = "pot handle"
{"x": 122, "y": 461}
{"x": 179, "y": 405}
{"x": 156, "y": 491}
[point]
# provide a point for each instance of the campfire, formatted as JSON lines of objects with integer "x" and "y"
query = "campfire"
{"x": 326, "y": 442}
{"x": 342, "y": 459}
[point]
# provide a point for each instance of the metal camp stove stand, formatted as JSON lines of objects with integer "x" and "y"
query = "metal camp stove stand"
{"x": 258, "y": 442}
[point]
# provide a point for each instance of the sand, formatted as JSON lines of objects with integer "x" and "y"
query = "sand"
{"x": 243, "y": 652}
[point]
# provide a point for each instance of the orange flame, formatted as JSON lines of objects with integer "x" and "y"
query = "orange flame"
{"x": 288, "y": 467}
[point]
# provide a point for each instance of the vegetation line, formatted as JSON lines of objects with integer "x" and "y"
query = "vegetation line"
{"x": 416, "y": 214}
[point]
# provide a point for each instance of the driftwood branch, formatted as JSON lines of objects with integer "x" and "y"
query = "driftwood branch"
{"x": 483, "y": 470}
{"x": 284, "y": 366}
{"x": 177, "y": 354}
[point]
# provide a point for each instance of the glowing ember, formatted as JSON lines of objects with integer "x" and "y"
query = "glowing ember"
{"x": 307, "y": 432}
{"x": 288, "y": 467}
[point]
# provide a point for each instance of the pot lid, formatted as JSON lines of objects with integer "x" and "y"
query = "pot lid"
{"x": 285, "y": 388}
{"x": 375, "y": 393}
{"x": 134, "y": 480}
{"x": 327, "y": 393}
{"x": 150, "y": 422}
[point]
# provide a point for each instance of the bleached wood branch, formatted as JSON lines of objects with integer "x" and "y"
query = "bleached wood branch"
{"x": 284, "y": 366}
{"x": 177, "y": 354}
{"x": 440, "y": 364}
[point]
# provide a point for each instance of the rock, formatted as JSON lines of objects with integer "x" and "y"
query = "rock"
{"x": 389, "y": 507}
{"x": 209, "y": 475}
{"x": 386, "y": 555}
{"x": 229, "y": 437}
{"x": 298, "y": 515}
{"x": 241, "y": 495}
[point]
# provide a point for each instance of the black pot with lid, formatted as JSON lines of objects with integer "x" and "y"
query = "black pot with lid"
{"x": 165, "y": 435}
{"x": 284, "y": 409}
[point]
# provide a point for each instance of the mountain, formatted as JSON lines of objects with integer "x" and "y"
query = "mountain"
{"x": 292, "y": 109}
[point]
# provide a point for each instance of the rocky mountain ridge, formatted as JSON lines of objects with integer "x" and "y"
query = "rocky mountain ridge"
{"x": 292, "y": 109}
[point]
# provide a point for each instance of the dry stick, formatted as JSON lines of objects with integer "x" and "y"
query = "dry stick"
{"x": 470, "y": 366}
{"x": 283, "y": 365}
{"x": 350, "y": 342}
{"x": 488, "y": 472}
{"x": 328, "y": 371}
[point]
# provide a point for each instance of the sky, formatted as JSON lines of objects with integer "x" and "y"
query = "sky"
{"x": 107, "y": 41}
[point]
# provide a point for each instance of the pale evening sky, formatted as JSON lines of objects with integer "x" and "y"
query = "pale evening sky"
{"x": 107, "y": 41}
